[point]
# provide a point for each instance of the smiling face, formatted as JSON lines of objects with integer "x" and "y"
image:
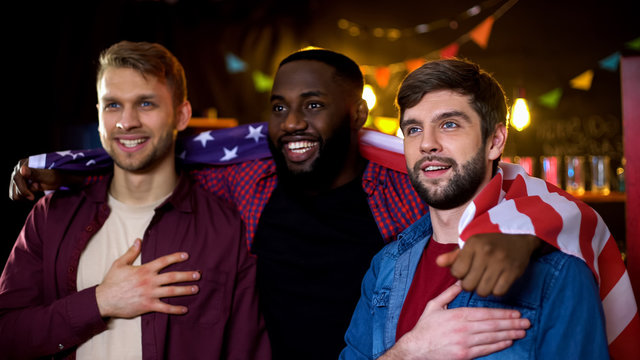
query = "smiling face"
{"x": 137, "y": 119}
{"x": 310, "y": 127}
{"x": 447, "y": 158}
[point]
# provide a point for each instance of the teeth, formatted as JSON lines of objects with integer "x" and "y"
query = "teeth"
{"x": 434, "y": 168}
{"x": 301, "y": 146}
{"x": 131, "y": 143}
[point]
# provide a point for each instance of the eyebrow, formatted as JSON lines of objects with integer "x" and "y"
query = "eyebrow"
{"x": 306, "y": 94}
{"x": 139, "y": 98}
{"x": 439, "y": 117}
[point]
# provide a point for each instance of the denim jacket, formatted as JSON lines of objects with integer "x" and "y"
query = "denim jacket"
{"x": 557, "y": 293}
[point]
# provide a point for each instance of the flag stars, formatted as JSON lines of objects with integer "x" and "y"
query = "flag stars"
{"x": 69, "y": 153}
{"x": 255, "y": 133}
{"x": 229, "y": 154}
{"x": 203, "y": 137}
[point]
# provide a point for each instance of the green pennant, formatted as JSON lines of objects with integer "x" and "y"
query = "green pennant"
{"x": 262, "y": 82}
{"x": 551, "y": 98}
{"x": 634, "y": 44}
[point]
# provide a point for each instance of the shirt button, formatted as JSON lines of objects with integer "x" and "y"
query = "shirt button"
{"x": 70, "y": 269}
{"x": 60, "y": 346}
{"x": 89, "y": 228}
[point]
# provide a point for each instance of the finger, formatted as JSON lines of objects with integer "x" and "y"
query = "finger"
{"x": 19, "y": 189}
{"x": 176, "y": 277}
{"x": 440, "y": 301}
{"x": 504, "y": 282}
{"x": 476, "y": 270}
{"x": 482, "y": 350}
{"x": 165, "y": 308}
{"x": 447, "y": 259}
{"x": 164, "y": 261}
{"x": 45, "y": 178}
{"x": 488, "y": 281}
{"x": 173, "y": 291}
{"x": 483, "y": 314}
{"x": 462, "y": 263}
{"x": 131, "y": 254}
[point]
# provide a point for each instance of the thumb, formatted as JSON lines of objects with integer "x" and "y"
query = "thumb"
{"x": 441, "y": 301}
{"x": 132, "y": 253}
{"x": 447, "y": 259}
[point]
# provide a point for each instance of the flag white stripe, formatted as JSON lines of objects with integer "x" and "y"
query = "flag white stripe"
{"x": 619, "y": 307}
{"x": 382, "y": 140}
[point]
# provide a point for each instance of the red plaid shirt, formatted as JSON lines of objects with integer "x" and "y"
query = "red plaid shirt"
{"x": 394, "y": 203}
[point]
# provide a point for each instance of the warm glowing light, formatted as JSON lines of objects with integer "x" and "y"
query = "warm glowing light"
{"x": 387, "y": 125}
{"x": 369, "y": 96}
{"x": 520, "y": 117}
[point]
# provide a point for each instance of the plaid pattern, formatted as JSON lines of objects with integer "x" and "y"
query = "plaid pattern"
{"x": 393, "y": 202}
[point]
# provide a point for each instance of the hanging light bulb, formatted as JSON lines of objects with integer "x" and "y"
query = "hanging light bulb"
{"x": 369, "y": 96}
{"x": 520, "y": 117}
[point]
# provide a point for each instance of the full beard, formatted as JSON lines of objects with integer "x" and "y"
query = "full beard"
{"x": 324, "y": 169}
{"x": 461, "y": 187}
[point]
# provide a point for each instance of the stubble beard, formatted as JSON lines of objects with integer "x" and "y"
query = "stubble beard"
{"x": 460, "y": 188}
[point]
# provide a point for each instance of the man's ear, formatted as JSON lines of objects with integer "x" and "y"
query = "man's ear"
{"x": 359, "y": 114}
{"x": 183, "y": 115}
{"x": 497, "y": 141}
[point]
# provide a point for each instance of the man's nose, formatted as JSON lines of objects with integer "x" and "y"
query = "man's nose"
{"x": 129, "y": 120}
{"x": 295, "y": 121}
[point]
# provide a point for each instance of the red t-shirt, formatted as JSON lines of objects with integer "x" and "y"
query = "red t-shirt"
{"x": 429, "y": 281}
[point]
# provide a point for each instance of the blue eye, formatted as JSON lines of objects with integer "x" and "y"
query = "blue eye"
{"x": 110, "y": 106}
{"x": 449, "y": 125}
{"x": 412, "y": 130}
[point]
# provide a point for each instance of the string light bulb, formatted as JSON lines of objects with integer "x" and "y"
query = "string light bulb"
{"x": 520, "y": 117}
{"x": 369, "y": 96}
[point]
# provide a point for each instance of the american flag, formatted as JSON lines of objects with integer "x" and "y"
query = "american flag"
{"x": 513, "y": 202}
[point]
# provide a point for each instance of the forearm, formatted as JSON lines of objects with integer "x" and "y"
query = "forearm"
{"x": 40, "y": 330}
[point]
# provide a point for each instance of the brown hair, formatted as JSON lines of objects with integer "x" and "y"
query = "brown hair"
{"x": 464, "y": 77}
{"x": 148, "y": 59}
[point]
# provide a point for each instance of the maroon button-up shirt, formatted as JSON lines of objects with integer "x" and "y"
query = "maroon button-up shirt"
{"x": 42, "y": 314}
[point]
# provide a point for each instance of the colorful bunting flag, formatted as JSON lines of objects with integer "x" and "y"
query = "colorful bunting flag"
{"x": 450, "y": 51}
{"x": 611, "y": 62}
{"x": 480, "y": 34}
{"x": 634, "y": 44}
{"x": 413, "y": 64}
{"x": 383, "y": 74}
{"x": 551, "y": 99}
{"x": 235, "y": 64}
{"x": 262, "y": 82}
{"x": 582, "y": 81}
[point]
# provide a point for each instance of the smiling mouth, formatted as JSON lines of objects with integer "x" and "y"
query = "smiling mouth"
{"x": 131, "y": 143}
{"x": 436, "y": 168}
{"x": 300, "y": 147}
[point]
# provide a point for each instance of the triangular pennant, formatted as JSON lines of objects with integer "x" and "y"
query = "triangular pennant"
{"x": 262, "y": 82}
{"x": 611, "y": 62}
{"x": 634, "y": 44}
{"x": 480, "y": 34}
{"x": 450, "y": 51}
{"x": 383, "y": 74}
{"x": 582, "y": 81}
{"x": 551, "y": 99}
{"x": 235, "y": 64}
{"x": 413, "y": 64}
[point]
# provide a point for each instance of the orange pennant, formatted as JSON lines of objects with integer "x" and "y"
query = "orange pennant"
{"x": 413, "y": 64}
{"x": 480, "y": 34}
{"x": 450, "y": 51}
{"x": 383, "y": 74}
